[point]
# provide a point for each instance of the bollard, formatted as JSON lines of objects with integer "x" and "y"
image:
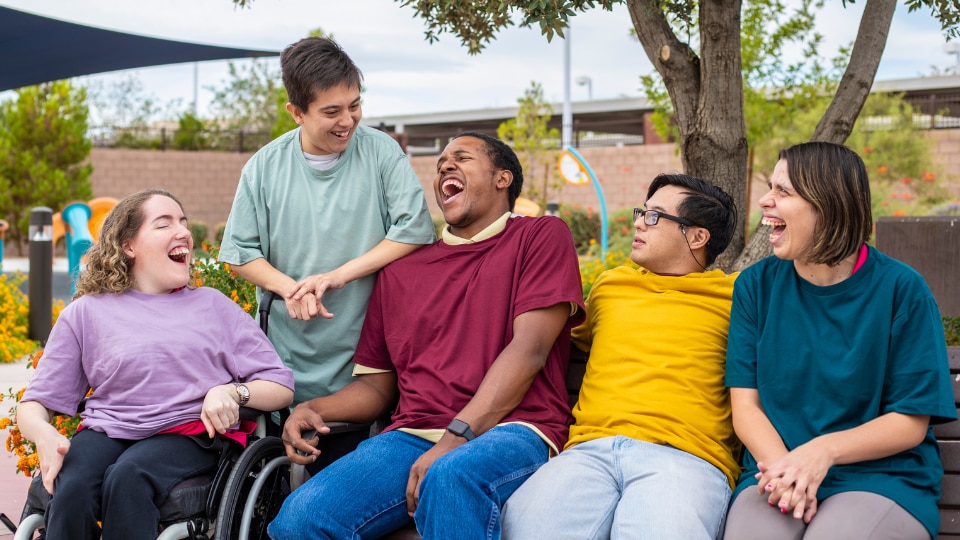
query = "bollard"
{"x": 40, "y": 281}
{"x": 553, "y": 208}
{"x": 3, "y": 233}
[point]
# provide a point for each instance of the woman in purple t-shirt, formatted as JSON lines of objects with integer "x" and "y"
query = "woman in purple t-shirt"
{"x": 169, "y": 366}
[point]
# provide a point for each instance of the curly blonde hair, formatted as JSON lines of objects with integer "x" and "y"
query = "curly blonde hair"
{"x": 109, "y": 269}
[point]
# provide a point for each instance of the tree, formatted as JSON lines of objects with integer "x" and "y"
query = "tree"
{"x": 44, "y": 136}
{"x": 530, "y": 138}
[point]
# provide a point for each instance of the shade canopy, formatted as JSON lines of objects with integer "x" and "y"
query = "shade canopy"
{"x": 36, "y": 49}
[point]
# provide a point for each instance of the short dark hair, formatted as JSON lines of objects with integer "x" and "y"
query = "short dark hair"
{"x": 706, "y": 205}
{"x": 503, "y": 157}
{"x": 315, "y": 64}
{"x": 834, "y": 180}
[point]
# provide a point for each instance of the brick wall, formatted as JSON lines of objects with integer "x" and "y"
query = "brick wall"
{"x": 206, "y": 181}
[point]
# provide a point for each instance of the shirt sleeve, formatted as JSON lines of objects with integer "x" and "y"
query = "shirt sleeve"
{"x": 60, "y": 382}
{"x": 246, "y": 235}
{"x": 741, "y": 368}
{"x": 372, "y": 351}
{"x": 255, "y": 357}
{"x": 550, "y": 270}
{"x": 407, "y": 212}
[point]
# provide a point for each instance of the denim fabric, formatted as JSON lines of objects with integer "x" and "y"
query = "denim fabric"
{"x": 122, "y": 483}
{"x": 363, "y": 494}
{"x": 617, "y": 487}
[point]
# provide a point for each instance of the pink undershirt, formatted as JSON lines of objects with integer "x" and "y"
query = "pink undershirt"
{"x": 861, "y": 259}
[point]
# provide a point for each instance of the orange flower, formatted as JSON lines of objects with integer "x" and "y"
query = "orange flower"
{"x": 36, "y": 358}
{"x": 905, "y": 180}
{"x": 906, "y": 196}
{"x": 882, "y": 169}
{"x": 929, "y": 177}
{"x": 868, "y": 149}
{"x": 899, "y": 212}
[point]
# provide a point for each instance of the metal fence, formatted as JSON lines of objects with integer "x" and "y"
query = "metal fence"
{"x": 162, "y": 138}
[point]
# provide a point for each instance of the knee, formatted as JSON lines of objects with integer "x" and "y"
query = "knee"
{"x": 448, "y": 476}
{"x": 119, "y": 477}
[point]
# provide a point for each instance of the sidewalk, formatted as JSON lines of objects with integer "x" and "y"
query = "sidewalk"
{"x": 13, "y": 484}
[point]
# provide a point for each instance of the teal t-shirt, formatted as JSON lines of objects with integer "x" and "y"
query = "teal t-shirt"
{"x": 304, "y": 221}
{"x": 826, "y": 359}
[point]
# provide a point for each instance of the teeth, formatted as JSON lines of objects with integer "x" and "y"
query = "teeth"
{"x": 772, "y": 222}
{"x": 451, "y": 187}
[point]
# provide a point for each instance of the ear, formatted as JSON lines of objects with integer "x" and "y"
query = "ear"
{"x": 504, "y": 179}
{"x": 127, "y": 250}
{"x": 697, "y": 237}
{"x": 295, "y": 112}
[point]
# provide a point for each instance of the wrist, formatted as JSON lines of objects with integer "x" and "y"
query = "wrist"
{"x": 241, "y": 393}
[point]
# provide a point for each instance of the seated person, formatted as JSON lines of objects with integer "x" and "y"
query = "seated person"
{"x": 169, "y": 366}
{"x": 837, "y": 368}
{"x": 651, "y": 451}
{"x": 470, "y": 338}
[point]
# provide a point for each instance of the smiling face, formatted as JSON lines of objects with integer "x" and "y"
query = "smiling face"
{"x": 470, "y": 191}
{"x": 161, "y": 249}
{"x": 663, "y": 248}
{"x": 793, "y": 218}
{"x": 329, "y": 121}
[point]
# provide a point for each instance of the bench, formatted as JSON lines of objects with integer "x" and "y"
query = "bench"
{"x": 948, "y": 435}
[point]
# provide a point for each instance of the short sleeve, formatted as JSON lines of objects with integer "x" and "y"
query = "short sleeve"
{"x": 741, "y": 369}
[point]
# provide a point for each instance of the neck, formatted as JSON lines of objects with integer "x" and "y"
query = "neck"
{"x": 823, "y": 274}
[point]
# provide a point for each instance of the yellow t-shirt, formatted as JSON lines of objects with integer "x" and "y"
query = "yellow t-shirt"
{"x": 656, "y": 369}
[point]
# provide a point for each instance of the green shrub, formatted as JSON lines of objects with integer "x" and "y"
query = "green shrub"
{"x": 951, "y": 327}
{"x": 218, "y": 233}
{"x": 198, "y": 230}
{"x": 584, "y": 225}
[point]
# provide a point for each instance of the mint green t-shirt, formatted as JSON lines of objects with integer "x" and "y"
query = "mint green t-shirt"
{"x": 827, "y": 359}
{"x": 304, "y": 221}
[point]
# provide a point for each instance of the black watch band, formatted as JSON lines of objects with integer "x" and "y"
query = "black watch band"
{"x": 461, "y": 429}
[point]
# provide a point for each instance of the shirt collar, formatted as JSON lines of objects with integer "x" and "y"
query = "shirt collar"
{"x": 491, "y": 230}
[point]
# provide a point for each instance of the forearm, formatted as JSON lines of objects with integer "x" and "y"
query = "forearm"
{"x": 33, "y": 420}
{"x": 511, "y": 374}
{"x": 881, "y": 437}
{"x": 365, "y": 399}
{"x": 372, "y": 261}
{"x": 262, "y": 274}
{"x": 268, "y": 395}
{"x": 753, "y": 428}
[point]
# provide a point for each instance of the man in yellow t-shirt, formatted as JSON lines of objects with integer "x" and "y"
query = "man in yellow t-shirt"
{"x": 651, "y": 453}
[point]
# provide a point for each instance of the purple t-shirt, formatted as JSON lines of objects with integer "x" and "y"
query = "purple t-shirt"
{"x": 440, "y": 316}
{"x": 150, "y": 358}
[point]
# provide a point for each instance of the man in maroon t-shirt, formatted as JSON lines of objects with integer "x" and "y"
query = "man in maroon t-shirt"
{"x": 469, "y": 338}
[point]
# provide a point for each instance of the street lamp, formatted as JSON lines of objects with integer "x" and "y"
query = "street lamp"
{"x": 953, "y": 48}
{"x": 584, "y": 80}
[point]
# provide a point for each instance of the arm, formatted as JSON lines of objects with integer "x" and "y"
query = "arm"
{"x": 503, "y": 387}
{"x": 33, "y": 419}
{"x": 221, "y": 406}
{"x": 264, "y": 275}
{"x": 379, "y": 256}
{"x": 365, "y": 399}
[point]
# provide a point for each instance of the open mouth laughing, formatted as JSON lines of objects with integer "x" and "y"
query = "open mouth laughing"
{"x": 179, "y": 254}
{"x": 450, "y": 188}
{"x": 778, "y": 227}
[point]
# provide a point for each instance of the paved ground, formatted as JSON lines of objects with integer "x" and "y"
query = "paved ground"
{"x": 13, "y": 484}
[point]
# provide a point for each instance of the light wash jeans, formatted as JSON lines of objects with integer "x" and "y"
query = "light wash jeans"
{"x": 363, "y": 494}
{"x": 617, "y": 487}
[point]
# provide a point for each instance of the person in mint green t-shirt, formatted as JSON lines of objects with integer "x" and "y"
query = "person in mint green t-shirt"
{"x": 837, "y": 368}
{"x": 318, "y": 212}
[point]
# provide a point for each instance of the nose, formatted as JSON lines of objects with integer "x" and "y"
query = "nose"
{"x": 766, "y": 201}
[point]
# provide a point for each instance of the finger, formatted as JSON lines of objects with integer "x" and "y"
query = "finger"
{"x": 207, "y": 424}
{"x": 810, "y": 511}
{"x": 413, "y": 484}
{"x": 323, "y": 310}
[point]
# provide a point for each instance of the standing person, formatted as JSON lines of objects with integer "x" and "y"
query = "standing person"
{"x": 471, "y": 336}
{"x": 837, "y": 367}
{"x": 651, "y": 453}
{"x": 164, "y": 400}
{"x": 318, "y": 212}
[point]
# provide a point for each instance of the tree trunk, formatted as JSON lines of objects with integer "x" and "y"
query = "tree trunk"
{"x": 841, "y": 115}
{"x": 707, "y": 96}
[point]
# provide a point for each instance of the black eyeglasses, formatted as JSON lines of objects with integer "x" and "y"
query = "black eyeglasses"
{"x": 652, "y": 217}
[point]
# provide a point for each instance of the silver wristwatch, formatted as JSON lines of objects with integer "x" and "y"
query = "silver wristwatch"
{"x": 243, "y": 393}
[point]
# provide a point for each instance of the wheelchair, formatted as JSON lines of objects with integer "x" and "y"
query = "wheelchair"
{"x": 239, "y": 499}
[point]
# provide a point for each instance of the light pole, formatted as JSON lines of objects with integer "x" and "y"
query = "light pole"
{"x": 585, "y": 80}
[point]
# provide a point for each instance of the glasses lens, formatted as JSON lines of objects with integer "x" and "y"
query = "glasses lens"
{"x": 651, "y": 217}
{"x": 636, "y": 213}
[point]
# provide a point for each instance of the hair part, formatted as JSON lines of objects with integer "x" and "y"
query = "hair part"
{"x": 503, "y": 158}
{"x": 707, "y": 206}
{"x": 833, "y": 178}
{"x": 109, "y": 269}
{"x": 313, "y": 65}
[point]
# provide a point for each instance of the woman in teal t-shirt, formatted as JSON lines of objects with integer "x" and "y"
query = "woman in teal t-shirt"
{"x": 837, "y": 367}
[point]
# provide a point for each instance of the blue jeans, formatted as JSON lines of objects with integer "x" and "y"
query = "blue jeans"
{"x": 363, "y": 494}
{"x": 617, "y": 487}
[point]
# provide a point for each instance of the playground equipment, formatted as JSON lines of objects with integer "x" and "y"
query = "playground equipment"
{"x": 3, "y": 233}
{"x": 526, "y": 207}
{"x": 79, "y": 225}
{"x": 575, "y": 170}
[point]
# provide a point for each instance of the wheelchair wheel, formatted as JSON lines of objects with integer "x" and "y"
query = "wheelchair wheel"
{"x": 256, "y": 488}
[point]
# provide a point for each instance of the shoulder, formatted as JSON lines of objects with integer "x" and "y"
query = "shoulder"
{"x": 370, "y": 139}
{"x": 275, "y": 149}
{"x": 897, "y": 274}
{"x": 550, "y": 226}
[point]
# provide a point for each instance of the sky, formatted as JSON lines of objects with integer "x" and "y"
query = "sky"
{"x": 403, "y": 74}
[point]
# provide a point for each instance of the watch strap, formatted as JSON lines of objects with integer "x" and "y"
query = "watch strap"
{"x": 461, "y": 429}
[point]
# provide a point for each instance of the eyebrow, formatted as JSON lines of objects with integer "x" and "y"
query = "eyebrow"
{"x": 334, "y": 107}
{"x": 168, "y": 216}
{"x": 444, "y": 157}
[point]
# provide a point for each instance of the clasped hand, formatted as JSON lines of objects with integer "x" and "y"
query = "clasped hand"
{"x": 792, "y": 481}
{"x": 303, "y": 420}
{"x": 304, "y": 300}
{"x": 221, "y": 410}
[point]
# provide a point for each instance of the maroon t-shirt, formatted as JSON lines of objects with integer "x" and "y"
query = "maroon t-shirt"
{"x": 440, "y": 316}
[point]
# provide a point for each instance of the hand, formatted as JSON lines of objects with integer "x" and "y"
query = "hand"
{"x": 51, "y": 455}
{"x": 221, "y": 409}
{"x": 303, "y": 420}
{"x": 793, "y": 480}
{"x": 420, "y": 467}
{"x": 317, "y": 285}
{"x": 303, "y": 309}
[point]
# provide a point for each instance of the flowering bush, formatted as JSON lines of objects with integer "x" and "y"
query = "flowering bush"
{"x": 14, "y": 320}
{"x": 208, "y": 271}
